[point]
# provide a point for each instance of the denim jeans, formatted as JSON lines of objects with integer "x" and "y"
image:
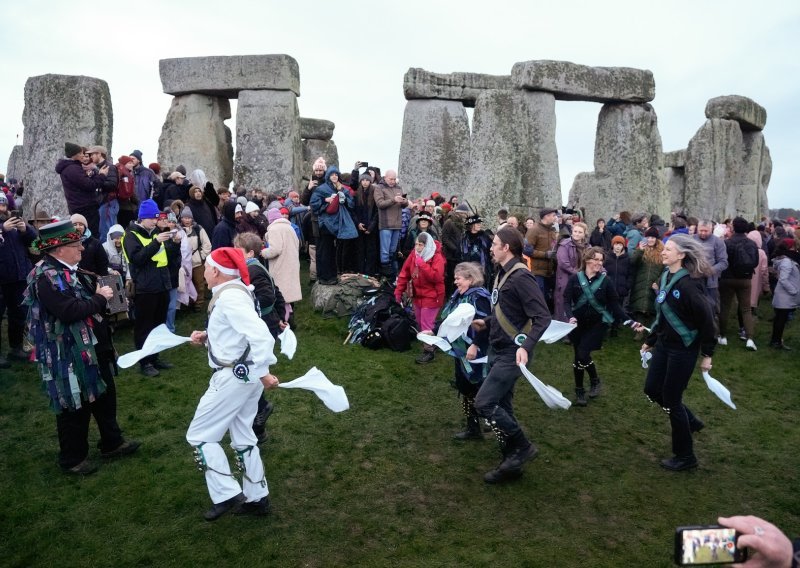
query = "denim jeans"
{"x": 172, "y": 308}
{"x": 546, "y": 285}
{"x": 389, "y": 239}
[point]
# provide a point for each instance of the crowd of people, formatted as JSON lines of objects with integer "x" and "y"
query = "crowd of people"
{"x": 175, "y": 241}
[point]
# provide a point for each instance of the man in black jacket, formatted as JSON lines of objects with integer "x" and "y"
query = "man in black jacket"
{"x": 519, "y": 318}
{"x": 80, "y": 189}
{"x": 109, "y": 206}
{"x": 146, "y": 254}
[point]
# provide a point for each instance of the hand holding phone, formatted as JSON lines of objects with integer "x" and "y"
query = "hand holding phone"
{"x": 708, "y": 544}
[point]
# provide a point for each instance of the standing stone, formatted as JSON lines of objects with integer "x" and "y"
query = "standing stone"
{"x": 434, "y": 149}
{"x": 513, "y": 156}
{"x": 628, "y": 151}
{"x": 756, "y": 171}
{"x": 59, "y": 109}
{"x": 268, "y": 151}
{"x": 591, "y": 193}
{"x": 713, "y": 169}
{"x": 675, "y": 182}
{"x": 313, "y": 149}
{"x": 195, "y": 135}
{"x": 573, "y": 82}
{"x": 15, "y": 165}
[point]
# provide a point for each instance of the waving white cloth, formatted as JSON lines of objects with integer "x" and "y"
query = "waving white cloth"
{"x": 288, "y": 342}
{"x": 158, "y": 340}
{"x": 551, "y": 396}
{"x": 556, "y": 331}
{"x": 434, "y": 340}
{"x": 457, "y": 322}
{"x": 333, "y": 396}
{"x": 646, "y": 356}
{"x": 718, "y": 389}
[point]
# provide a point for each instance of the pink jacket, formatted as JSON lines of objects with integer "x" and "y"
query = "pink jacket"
{"x": 760, "y": 280}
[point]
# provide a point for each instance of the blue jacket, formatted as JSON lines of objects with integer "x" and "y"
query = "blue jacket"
{"x": 14, "y": 254}
{"x": 339, "y": 224}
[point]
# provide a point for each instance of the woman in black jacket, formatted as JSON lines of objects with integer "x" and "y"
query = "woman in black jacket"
{"x": 591, "y": 302}
{"x": 366, "y": 219}
{"x": 601, "y": 236}
{"x": 684, "y": 328}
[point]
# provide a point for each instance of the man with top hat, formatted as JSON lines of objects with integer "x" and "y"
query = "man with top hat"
{"x": 73, "y": 349}
{"x": 146, "y": 254}
{"x": 82, "y": 191}
{"x": 15, "y": 237}
{"x": 519, "y": 318}
{"x": 240, "y": 352}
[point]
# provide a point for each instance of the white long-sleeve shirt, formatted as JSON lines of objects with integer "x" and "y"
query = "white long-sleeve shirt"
{"x": 233, "y": 324}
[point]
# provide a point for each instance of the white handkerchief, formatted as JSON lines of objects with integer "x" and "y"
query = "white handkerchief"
{"x": 480, "y": 360}
{"x": 646, "y": 356}
{"x": 439, "y": 342}
{"x": 288, "y": 342}
{"x": 158, "y": 340}
{"x": 333, "y": 396}
{"x": 718, "y": 389}
{"x": 557, "y": 330}
{"x": 551, "y": 396}
{"x": 457, "y": 323}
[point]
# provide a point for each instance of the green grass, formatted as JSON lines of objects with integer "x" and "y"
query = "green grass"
{"x": 383, "y": 484}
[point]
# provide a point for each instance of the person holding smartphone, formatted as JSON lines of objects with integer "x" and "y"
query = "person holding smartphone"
{"x": 684, "y": 329}
{"x": 15, "y": 237}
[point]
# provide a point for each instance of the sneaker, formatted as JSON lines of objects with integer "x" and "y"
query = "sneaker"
{"x": 219, "y": 509}
{"x": 679, "y": 464}
{"x": 126, "y": 448}
{"x": 722, "y": 340}
{"x": 148, "y": 370}
{"x": 742, "y": 334}
{"x": 426, "y": 357}
{"x": 260, "y": 508}
{"x": 84, "y": 468}
{"x": 751, "y": 345}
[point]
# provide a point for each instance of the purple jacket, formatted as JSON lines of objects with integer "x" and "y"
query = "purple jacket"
{"x": 80, "y": 190}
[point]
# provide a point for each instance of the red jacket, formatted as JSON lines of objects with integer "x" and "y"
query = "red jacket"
{"x": 427, "y": 278}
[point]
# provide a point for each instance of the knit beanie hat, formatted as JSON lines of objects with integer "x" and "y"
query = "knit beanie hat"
{"x": 274, "y": 214}
{"x": 124, "y": 160}
{"x": 71, "y": 149}
{"x": 137, "y": 154}
{"x": 651, "y": 232}
{"x": 156, "y": 167}
{"x": 187, "y": 213}
{"x": 230, "y": 261}
{"x": 3, "y": 199}
{"x": 320, "y": 162}
{"x": 148, "y": 209}
{"x": 238, "y": 209}
{"x": 251, "y": 207}
{"x": 78, "y": 218}
{"x": 618, "y": 240}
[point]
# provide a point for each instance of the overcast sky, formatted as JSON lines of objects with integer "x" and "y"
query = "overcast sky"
{"x": 353, "y": 55}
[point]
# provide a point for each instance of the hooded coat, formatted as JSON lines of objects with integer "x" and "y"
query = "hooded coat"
{"x": 426, "y": 278}
{"x": 335, "y": 216}
{"x": 225, "y": 231}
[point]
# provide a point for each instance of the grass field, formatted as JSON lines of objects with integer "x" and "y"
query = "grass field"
{"x": 384, "y": 484}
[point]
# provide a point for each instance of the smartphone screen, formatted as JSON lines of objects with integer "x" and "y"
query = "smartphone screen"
{"x": 710, "y": 544}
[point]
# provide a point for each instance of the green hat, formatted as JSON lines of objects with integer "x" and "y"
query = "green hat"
{"x": 56, "y": 234}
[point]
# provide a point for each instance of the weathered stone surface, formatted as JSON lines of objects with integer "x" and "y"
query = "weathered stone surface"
{"x": 268, "y": 151}
{"x": 313, "y": 149}
{"x": 434, "y": 149}
{"x": 628, "y": 151}
{"x": 713, "y": 169}
{"x": 572, "y": 82}
{"x": 58, "y": 109}
{"x": 513, "y": 156}
{"x": 225, "y": 76}
{"x": 749, "y": 114}
{"x": 592, "y": 193}
{"x": 465, "y": 87}
{"x": 15, "y": 164}
{"x": 195, "y": 135}
{"x": 751, "y": 202}
{"x": 675, "y": 182}
{"x": 316, "y": 129}
{"x": 675, "y": 159}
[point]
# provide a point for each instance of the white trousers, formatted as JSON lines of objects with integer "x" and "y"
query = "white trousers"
{"x": 229, "y": 405}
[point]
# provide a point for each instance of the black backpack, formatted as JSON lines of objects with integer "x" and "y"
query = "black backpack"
{"x": 380, "y": 322}
{"x": 744, "y": 259}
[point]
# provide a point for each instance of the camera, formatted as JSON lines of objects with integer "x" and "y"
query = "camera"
{"x": 14, "y": 213}
{"x": 364, "y": 164}
{"x": 707, "y": 544}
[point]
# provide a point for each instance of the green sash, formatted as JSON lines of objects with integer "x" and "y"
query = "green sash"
{"x": 589, "y": 291}
{"x": 687, "y": 335}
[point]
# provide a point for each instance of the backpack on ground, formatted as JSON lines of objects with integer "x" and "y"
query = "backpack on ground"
{"x": 379, "y": 321}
